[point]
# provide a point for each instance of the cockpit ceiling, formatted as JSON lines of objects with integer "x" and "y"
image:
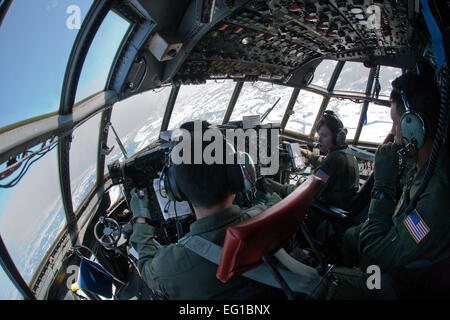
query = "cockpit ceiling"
{"x": 267, "y": 40}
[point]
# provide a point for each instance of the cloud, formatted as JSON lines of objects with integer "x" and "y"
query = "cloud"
{"x": 29, "y": 205}
{"x": 51, "y": 4}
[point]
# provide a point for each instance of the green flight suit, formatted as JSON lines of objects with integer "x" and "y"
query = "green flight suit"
{"x": 341, "y": 173}
{"x": 394, "y": 239}
{"x": 179, "y": 273}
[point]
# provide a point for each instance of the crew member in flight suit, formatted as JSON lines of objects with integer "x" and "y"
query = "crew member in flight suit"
{"x": 400, "y": 237}
{"x": 338, "y": 170}
{"x": 174, "y": 270}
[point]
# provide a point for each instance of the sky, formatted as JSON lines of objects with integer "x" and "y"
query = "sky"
{"x": 35, "y": 45}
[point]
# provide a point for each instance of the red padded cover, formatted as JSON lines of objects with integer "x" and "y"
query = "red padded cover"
{"x": 266, "y": 232}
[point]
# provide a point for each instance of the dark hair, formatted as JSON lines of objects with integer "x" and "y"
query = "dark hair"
{"x": 203, "y": 184}
{"x": 331, "y": 120}
{"x": 423, "y": 97}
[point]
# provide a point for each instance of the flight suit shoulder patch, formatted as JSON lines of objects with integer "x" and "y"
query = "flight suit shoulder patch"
{"x": 416, "y": 226}
{"x": 322, "y": 175}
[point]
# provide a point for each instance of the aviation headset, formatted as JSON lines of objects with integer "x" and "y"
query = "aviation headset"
{"x": 412, "y": 126}
{"x": 341, "y": 134}
{"x": 240, "y": 177}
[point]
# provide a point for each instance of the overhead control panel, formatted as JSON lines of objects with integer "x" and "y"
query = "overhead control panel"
{"x": 267, "y": 40}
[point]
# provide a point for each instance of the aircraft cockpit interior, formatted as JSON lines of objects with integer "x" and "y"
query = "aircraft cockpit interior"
{"x": 95, "y": 92}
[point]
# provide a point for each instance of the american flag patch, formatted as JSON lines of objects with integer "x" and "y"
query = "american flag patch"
{"x": 322, "y": 175}
{"x": 416, "y": 226}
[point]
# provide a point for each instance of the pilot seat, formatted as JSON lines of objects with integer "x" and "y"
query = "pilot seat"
{"x": 336, "y": 220}
{"x": 249, "y": 247}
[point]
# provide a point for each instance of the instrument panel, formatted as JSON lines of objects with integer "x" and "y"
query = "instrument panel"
{"x": 267, "y": 40}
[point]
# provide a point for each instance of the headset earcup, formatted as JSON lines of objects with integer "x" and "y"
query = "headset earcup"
{"x": 171, "y": 187}
{"x": 339, "y": 138}
{"x": 235, "y": 178}
{"x": 242, "y": 177}
{"x": 412, "y": 127}
{"x": 249, "y": 176}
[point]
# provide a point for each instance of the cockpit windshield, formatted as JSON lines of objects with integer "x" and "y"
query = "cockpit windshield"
{"x": 32, "y": 217}
{"x": 323, "y": 73}
{"x": 101, "y": 55}
{"x": 137, "y": 122}
{"x": 353, "y": 77}
{"x": 208, "y": 102}
{"x": 37, "y": 38}
{"x": 259, "y": 98}
{"x": 30, "y": 86}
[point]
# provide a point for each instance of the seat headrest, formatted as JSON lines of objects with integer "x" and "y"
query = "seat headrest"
{"x": 266, "y": 232}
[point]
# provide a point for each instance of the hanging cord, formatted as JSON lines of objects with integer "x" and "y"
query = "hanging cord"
{"x": 178, "y": 224}
{"x": 27, "y": 161}
{"x": 376, "y": 86}
{"x": 441, "y": 134}
{"x": 161, "y": 179}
